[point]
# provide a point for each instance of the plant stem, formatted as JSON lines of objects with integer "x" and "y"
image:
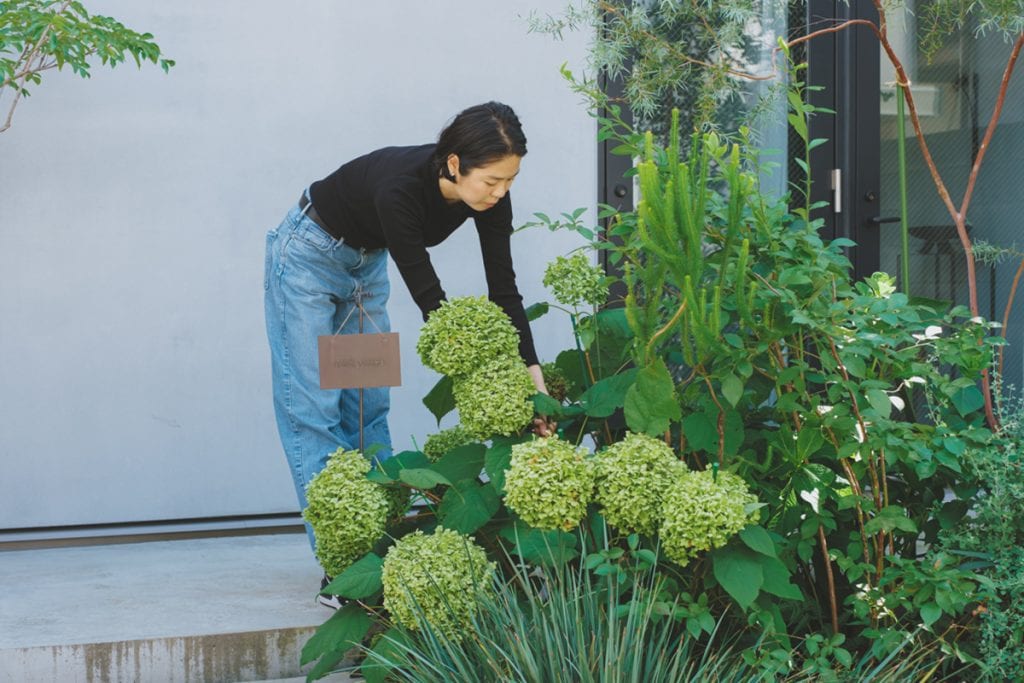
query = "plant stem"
{"x": 833, "y": 608}
{"x": 901, "y": 147}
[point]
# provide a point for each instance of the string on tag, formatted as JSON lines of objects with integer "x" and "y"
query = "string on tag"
{"x": 357, "y": 299}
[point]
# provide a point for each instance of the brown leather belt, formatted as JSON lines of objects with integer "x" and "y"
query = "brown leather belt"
{"x": 311, "y": 212}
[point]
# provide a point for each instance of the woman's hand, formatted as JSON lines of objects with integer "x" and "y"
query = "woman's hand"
{"x": 542, "y": 426}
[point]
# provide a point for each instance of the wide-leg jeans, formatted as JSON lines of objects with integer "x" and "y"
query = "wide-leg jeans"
{"x": 311, "y": 283}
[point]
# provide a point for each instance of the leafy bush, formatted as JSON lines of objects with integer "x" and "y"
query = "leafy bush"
{"x": 348, "y": 513}
{"x": 436, "y": 579}
{"x": 549, "y": 483}
{"x": 632, "y": 476}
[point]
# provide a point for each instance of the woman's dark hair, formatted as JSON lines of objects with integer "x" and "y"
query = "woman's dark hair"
{"x": 479, "y": 135}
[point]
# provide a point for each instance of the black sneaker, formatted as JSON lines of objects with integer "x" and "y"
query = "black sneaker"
{"x": 328, "y": 600}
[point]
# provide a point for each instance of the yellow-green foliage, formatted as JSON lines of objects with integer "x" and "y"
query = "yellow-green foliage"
{"x": 437, "y": 577}
{"x": 549, "y": 483}
{"x": 632, "y": 476}
{"x": 699, "y": 513}
{"x": 347, "y": 511}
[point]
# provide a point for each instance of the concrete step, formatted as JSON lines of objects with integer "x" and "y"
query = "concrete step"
{"x": 204, "y": 610}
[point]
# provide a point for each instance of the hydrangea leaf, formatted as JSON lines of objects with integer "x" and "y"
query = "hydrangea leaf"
{"x": 440, "y": 400}
{"x": 359, "y": 581}
{"x": 776, "y": 580}
{"x": 572, "y": 365}
{"x": 739, "y": 572}
{"x": 468, "y": 506}
{"x": 545, "y": 405}
{"x": 608, "y": 394}
{"x": 464, "y": 462}
{"x": 651, "y": 403}
{"x": 536, "y": 310}
{"x": 732, "y": 389}
{"x": 422, "y": 478}
{"x": 406, "y": 460}
{"x": 496, "y": 460}
{"x": 542, "y": 547}
{"x": 757, "y": 539}
{"x": 345, "y": 629}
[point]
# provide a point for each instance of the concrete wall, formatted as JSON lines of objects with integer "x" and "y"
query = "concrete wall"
{"x": 133, "y": 208}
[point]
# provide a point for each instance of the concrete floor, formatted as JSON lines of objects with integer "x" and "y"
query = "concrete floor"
{"x": 181, "y": 597}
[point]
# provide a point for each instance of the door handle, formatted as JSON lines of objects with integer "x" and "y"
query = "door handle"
{"x": 878, "y": 220}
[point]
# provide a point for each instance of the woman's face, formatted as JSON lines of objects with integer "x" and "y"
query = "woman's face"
{"x": 483, "y": 186}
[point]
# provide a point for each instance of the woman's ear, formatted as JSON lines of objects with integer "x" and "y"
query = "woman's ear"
{"x": 453, "y": 165}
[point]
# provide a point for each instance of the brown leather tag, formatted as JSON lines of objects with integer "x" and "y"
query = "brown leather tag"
{"x": 353, "y": 361}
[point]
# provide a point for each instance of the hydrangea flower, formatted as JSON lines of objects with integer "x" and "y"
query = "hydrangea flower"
{"x": 556, "y": 382}
{"x": 631, "y": 478}
{"x": 495, "y": 398}
{"x": 549, "y": 483}
{"x": 575, "y": 281}
{"x": 347, "y": 511}
{"x": 464, "y": 333}
{"x": 699, "y": 513}
{"x": 436, "y": 577}
{"x": 437, "y": 445}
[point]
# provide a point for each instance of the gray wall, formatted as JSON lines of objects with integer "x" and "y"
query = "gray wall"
{"x": 133, "y": 360}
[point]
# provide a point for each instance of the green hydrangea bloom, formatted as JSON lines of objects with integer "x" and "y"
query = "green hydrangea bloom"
{"x": 699, "y": 513}
{"x": 575, "y": 281}
{"x": 398, "y": 501}
{"x": 549, "y": 483}
{"x": 437, "y": 577}
{"x": 437, "y": 445}
{"x": 495, "y": 398}
{"x": 631, "y": 478}
{"x": 347, "y": 511}
{"x": 464, "y": 333}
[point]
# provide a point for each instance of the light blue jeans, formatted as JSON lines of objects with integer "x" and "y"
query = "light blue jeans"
{"x": 311, "y": 282}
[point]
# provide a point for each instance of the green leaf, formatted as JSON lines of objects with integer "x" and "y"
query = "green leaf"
{"x": 701, "y": 433}
{"x": 406, "y": 460}
{"x": 608, "y": 394}
{"x": 739, "y": 572}
{"x": 327, "y": 664}
{"x": 879, "y": 400}
{"x": 757, "y": 539}
{"x": 345, "y": 629}
{"x": 776, "y": 580}
{"x": 536, "y": 310}
{"x": 468, "y": 506}
{"x": 498, "y": 459}
{"x": 890, "y": 518}
{"x": 464, "y": 462}
{"x": 651, "y": 403}
{"x": 930, "y": 613}
{"x": 360, "y": 580}
{"x": 543, "y": 547}
{"x": 440, "y": 400}
{"x": 732, "y": 389}
{"x": 547, "y": 406}
{"x": 422, "y": 478}
{"x": 967, "y": 400}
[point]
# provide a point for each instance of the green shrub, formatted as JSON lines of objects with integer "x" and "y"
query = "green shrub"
{"x": 436, "y": 579}
{"x": 465, "y": 333}
{"x": 549, "y": 483}
{"x": 347, "y": 511}
{"x": 632, "y": 476}
{"x": 700, "y": 512}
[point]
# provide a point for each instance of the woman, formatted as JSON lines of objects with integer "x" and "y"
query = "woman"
{"x": 332, "y": 249}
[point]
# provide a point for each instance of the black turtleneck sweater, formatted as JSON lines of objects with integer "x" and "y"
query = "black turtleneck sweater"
{"x": 391, "y": 199}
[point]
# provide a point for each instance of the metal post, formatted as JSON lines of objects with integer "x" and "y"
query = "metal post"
{"x": 362, "y": 447}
